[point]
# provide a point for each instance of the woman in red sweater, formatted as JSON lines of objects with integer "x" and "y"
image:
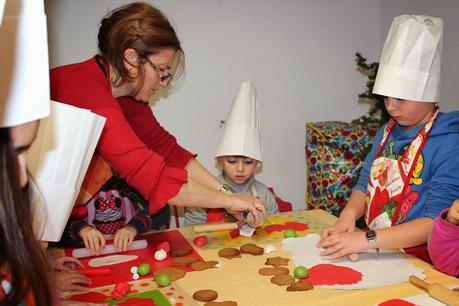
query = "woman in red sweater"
{"x": 138, "y": 51}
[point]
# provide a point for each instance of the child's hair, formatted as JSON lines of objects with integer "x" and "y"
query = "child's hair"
{"x": 22, "y": 258}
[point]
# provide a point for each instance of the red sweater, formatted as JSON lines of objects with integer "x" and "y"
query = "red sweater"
{"x": 132, "y": 141}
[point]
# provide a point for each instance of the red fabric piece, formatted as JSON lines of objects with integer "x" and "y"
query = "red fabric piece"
{"x": 79, "y": 212}
{"x": 297, "y": 226}
{"x": 283, "y": 205}
{"x": 91, "y": 297}
{"x": 234, "y": 233}
{"x": 138, "y": 302}
{"x": 132, "y": 141}
{"x": 215, "y": 214}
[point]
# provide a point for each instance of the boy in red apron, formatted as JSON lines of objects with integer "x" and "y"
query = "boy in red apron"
{"x": 412, "y": 171}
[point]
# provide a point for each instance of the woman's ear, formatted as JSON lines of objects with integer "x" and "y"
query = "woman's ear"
{"x": 131, "y": 58}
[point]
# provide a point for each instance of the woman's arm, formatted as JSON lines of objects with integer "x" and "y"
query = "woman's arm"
{"x": 197, "y": 172}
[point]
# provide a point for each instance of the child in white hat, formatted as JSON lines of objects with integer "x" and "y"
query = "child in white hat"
{"x": 411, "y": 173}
{"x": 239, "y": 155}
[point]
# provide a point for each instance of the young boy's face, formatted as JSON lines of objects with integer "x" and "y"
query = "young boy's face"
{"x": 409, "y": 113}
{"x": 238, "y": 169}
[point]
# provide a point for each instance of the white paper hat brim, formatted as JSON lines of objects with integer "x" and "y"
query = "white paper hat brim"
{"x": 240, "y": 140}
{"x": 24, "y": 81}
{"x": 401, "y": 83}
{"x": 2, "y": 6}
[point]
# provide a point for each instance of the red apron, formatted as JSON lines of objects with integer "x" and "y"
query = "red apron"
{"x": 389, "y": 196}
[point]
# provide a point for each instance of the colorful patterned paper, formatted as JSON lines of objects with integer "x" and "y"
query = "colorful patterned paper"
{"x": 333, "y": 158}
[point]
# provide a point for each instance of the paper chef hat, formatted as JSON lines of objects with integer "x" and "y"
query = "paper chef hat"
{"x": 24, "y": 80}
{"x": 241, "y": 134}
{"x": 410, "y": 62}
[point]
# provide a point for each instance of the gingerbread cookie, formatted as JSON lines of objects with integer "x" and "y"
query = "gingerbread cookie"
{"x": 180, "y": 253}
{"x": 205, "y": 295}
{"x": 283, "y": 280}
{"x": 251, "y": 248}
{"x": 203, "y": 265}
{"x": 277, "y": 261}
{"x": 173, "y": 273}
{"x": 184, "y": 261}
{"x": 300, "y": 286}
{"x": 273, "y": 271}
{"x": 229, "y": 253}
{"x": 225, "y": 303}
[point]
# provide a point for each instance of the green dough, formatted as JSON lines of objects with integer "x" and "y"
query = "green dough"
{"x": 163, "y": 280}
{"x": 143, "y": 269}
{"x": 300, "y": 272}
{"x": 289, "y": 233}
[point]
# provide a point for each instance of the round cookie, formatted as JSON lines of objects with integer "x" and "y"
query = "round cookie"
{"x": 290, "y": 233}
{"x": 229, "y": 253}
{"x": 163, "y": 280}
{"x": 205, "y": 295}
{"x": 283, "y": 280}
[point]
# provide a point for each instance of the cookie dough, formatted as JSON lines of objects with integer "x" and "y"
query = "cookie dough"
{"x": 173, "y": 273}
{"x": 300, "y": 286}
{"x": 277, "y": 261}
{"x": 205, "y": 295}
{"x": 283, "y": 280}
{"x": 251, "y": 248}
{"x": 185, "y": 261}
{"x": 229, "y": 253}
{"x": 203, "y": 265}
{"x": 273, "y": 271}
{"x": 180, "y": 253}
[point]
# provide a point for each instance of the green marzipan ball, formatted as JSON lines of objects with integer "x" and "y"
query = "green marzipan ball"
{"x": 143, "y": 269}
{"x": 163, "y": 280}
{"x": 289, "y": 233}
{"x": 300, "y": 272}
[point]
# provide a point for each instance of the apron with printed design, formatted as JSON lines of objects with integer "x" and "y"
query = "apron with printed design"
{"x": 389, "y": 196}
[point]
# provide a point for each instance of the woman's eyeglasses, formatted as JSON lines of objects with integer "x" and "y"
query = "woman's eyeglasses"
{"x": 164, "y": 74}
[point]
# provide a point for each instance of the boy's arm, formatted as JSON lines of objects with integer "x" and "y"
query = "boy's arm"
{"x": 404, "y": 235}
{"x": 195, "y": 216}
{"x": 270, "y": 203}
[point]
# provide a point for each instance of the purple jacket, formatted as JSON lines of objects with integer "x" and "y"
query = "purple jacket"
{"x": 444, "y": 245}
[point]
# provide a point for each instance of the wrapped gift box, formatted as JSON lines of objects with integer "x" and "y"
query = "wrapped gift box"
{"x": 335, "y": 152}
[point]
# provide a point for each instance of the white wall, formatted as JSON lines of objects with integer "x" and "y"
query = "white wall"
{"x": 298, "y": 53}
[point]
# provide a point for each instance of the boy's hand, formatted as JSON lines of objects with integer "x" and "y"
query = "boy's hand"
{"x": 453, "y": 213}
{"x": 66, "y": 263}
{"x": 71, "y": 281}
{"x": 92, "y": 238}
{"x": 124, "y": 237}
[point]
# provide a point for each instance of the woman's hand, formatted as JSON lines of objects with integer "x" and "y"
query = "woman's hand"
{"x": 338, "y": 245}
{"x": 71, "y": 281}
{"x": 124, "y": 237}
{"x": 246, "y": 202}
{"x": 92, "y": 238}
{"x": 66, "y": 263}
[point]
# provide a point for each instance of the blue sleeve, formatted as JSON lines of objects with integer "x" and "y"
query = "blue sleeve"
{"x": 443, "y": 189}
{"x": 365, "y": 172}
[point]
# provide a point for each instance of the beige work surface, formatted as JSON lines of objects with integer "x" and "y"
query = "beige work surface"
{"x": 238, "y": 279}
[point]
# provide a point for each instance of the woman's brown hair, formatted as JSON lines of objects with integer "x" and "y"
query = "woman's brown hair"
{"x": 22, "y": 258}
{"x": 141, "y": 27}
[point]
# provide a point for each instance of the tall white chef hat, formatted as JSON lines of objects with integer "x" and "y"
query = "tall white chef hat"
{"x": 241, "y": 134}
{"x": 410, "y": 62}
{"x": 24, "y": 80}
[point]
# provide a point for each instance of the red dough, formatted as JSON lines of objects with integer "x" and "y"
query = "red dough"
{"x": 120, "y": 291}
{"x": 163, "y": 246}
{"x": 200, "y": 241}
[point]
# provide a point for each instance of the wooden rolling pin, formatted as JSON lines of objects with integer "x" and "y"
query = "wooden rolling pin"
{"x": 437, "y": 291}
{"x": 210, "y": 227}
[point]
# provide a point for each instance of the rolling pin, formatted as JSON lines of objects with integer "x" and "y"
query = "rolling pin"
{"x": 210, "y": 227}
{"x": 109, "y": 249}
{"x": 437, "y": 291}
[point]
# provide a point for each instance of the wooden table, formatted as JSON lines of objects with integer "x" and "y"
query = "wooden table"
{"x": 238, "y": 279}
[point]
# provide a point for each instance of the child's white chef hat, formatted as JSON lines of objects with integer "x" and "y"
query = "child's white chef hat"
{"x": 241, "y": 134}
{"x": 24, "y": 80}
{"x": 410, "y": 62}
